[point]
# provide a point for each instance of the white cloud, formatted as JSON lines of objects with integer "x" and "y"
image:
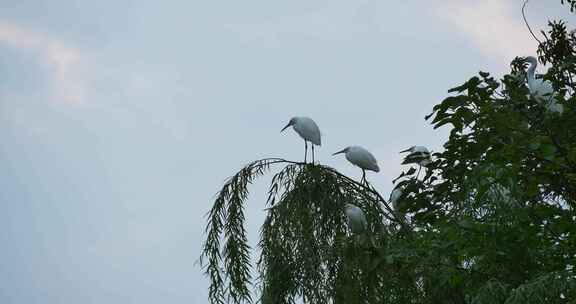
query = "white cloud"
{"x": 495, "y": 27}
{"x": 62, "y": 59}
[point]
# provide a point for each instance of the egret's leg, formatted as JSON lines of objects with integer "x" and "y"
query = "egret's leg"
{"x": 419, "y": 168}
{"x": 312, "y": 153}
{"x": 305, "y": 150}
{"x": 364, "y": 176}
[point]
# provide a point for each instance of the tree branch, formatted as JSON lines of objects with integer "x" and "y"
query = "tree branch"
{"x": 528, "y": 25}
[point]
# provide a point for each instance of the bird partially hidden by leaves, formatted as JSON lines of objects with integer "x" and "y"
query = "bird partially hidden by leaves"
{"x": 356, "y": 219}
{"x": 542, "y": 90}
{"x": 308, "y": 130}
{"x": 395, "y": 196}
{"x": 417, "y": 155}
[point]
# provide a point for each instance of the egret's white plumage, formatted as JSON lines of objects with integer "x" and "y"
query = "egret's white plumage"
{"x": 541, "y": 89}
{"x": 308, "y": 130}
{"x": 554, "y": 106}
{"x": 361, "y": 158}
{"x": 418, "y": 155}
{"x": 395, "y": 198}
{"x": 356, "y": 219}
{"x": 417, "y": 149}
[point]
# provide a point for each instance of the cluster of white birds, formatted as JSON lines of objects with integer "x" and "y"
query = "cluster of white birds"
{"x": 309, "y": 131}
{"x": 358, "y": 156}
{"x": 542, "y": 90}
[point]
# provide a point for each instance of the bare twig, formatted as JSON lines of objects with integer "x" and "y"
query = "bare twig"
{"x": 528, "y": 25}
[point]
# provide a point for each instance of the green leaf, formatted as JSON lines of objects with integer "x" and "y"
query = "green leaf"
{"x": 389, "y": 259}
{"x": 548, "y": 151}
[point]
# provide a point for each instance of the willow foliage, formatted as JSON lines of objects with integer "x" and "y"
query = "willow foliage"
{"x": 306, "y": 249}
{"x": 491, "y": 220}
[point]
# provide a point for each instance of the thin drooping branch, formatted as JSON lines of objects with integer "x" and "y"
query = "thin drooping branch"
{"x": 226, "y": 254}
{"x": 372, "y": 191}
{"x": 527, "y": 24}
{"x": 303, "y": 239}
{"x": 226, "y": 222}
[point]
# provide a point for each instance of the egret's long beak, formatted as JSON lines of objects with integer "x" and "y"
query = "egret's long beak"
{"x": 341, "y": 151}
{"x": 407, "y": 150}
{"x": 285, "y": 127}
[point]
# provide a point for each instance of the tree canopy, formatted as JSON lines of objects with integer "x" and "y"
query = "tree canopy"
{"x": 491, "y": 221}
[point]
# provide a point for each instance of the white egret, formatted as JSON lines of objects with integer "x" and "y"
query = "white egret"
{"x": 417, "y": 155}
{"x": 541, "y": 89}
{"x": 356, "y": 219}
{"x": 397, "y": 203}
{"x": 308, "y": 130}
{"x": 554, "y": 106}
{"x": 361, "y": 158}
{"x": 417, "y": 149}
{"x": 395, "y": 196}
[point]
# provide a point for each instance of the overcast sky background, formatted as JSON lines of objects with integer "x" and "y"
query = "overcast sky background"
{"x": 119, "y": 120}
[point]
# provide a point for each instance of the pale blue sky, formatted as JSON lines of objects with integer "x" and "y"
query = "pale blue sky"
{"x": 119, "y": 120}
